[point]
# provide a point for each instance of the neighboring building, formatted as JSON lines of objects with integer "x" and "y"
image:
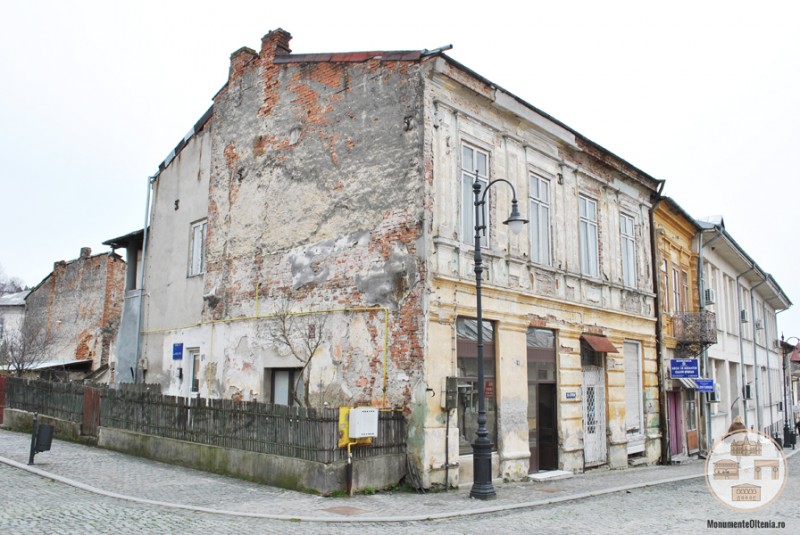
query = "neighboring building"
{"x": 12, "y": 313}
{"x": 123, "y": 363}
{"x": 335, "y": 191}
{"x": 78, "y": 307}
{"x": 685, "y": 331}
{"x": 746, "y": 362}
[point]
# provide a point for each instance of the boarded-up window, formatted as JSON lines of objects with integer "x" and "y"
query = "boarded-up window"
{"x": 633, "y": 388}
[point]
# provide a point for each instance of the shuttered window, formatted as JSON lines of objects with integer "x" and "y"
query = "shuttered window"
{"x": 633, "y": 388}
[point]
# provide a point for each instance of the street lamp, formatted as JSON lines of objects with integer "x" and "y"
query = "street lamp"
{"x": 788, "y": 434}
{"x": 482, "y": 488}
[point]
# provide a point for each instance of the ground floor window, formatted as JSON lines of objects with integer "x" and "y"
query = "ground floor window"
{"x": 283, "y": 386}
{"x": 467, "y": 351}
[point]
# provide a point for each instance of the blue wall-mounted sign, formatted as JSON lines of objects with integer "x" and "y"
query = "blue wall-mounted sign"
{"x": 572, "y": 395}
{"x": 684, "y": 368}
{"x": 705, "y": 385}
{"x": 177, "y": 351}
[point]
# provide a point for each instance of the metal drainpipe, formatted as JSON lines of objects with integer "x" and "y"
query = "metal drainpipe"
{"x": 741, "y": 345}
{"x": 147, "y": 213}
{"x": 666, "y": 456}
{"x": 759, "y": 409}
{"x": 769, "y": 374}
{"x": 701, "y": 283}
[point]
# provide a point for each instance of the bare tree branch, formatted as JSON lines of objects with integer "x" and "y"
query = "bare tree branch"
{"x": 22, "y": 349}
{"x": 301, "y": 332}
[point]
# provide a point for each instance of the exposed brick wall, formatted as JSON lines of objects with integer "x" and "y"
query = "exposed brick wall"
{"x": 80, "y": 303}
{"x": 316, "y": 195}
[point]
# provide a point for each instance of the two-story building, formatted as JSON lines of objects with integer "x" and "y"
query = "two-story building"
{"x": 746, "y": 361}
{"x": 311, "y": 240}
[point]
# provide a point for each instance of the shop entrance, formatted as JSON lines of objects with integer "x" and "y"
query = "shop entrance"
{"x": 542, "y": 406}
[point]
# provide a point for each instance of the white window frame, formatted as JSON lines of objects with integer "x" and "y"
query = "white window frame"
{"x": 627, "y": 226}
{"x": 676, "y": 290}
{"x": 539, "y": 215}
{"x": 194, "y": 362}
{"x": 197, "y": 248}
{"x": 467, "y": 195}
{"x": 588, "y": 232}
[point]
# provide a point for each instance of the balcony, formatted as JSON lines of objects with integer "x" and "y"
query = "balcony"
{"x": 695, "y": 328}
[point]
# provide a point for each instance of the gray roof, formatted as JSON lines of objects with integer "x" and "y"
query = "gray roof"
{"x": 14, "y": 300}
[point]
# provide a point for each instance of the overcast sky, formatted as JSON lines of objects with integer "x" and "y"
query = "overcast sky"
{"x": 702, "y": 94}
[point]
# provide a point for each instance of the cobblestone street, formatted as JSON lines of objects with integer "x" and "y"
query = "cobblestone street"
{"x": 36, "y": 504}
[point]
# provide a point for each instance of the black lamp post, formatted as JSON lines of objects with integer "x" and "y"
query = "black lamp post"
{"x": 788, "y": 433}
{"x": 482, "y": 488}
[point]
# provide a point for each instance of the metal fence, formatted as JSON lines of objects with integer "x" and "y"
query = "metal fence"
{"x": 59, "y": 400}
{"x": 297, "y": 432}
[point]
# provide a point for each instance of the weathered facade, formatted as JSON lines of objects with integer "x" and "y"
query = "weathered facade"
{"x": 311, "y": 241}
{"x": 569, "y": 304}
{"x": 685, "y": 331}
{"x": 79, "y": 304}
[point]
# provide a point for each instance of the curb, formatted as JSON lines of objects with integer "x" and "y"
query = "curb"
{"x": 350, "y": 520}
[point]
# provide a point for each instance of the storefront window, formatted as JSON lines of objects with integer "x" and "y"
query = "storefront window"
{"x": 467, "y": 346}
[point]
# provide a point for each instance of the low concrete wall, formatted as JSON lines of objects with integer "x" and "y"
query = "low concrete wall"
{"x": 373, "y": 473}
{"x": 285, "y": 472}
{"x": 18, "y": 420}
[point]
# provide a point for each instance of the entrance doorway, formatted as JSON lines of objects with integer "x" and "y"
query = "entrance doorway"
{"x": 542, "y": 405}
{"x": 675, "y": 415}
{"x": 594, "y": 416}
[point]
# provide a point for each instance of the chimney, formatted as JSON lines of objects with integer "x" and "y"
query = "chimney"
{"x": 239, "y": 60}
{"x": 86, "y": 252}
{"x": 276, "y": 43}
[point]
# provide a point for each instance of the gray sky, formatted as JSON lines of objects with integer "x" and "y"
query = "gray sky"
{"x": 703, "y": 94}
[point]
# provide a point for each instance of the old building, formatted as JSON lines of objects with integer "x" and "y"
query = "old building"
{"x": 311, "y": 241}
{"x": 684, "y": 331}
{"x": 77, "y": 309}
{"x": 12, "y": 313}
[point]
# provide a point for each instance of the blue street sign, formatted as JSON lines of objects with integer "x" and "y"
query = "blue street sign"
{"x": 704, "y": 385}
{"x": 177, "y": 351}
{"x": 684, "y": 368}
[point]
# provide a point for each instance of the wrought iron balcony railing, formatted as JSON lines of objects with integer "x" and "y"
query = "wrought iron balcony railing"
{"x": 692, "y": 328}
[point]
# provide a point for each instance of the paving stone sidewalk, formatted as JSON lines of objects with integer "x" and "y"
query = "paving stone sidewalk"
{"x": 128, "y": 477}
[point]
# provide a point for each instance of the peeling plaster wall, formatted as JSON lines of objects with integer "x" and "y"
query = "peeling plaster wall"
{"x": 519, "y": 293}
{"x": 80, "y": 304}
{"x": 315, "y": 198}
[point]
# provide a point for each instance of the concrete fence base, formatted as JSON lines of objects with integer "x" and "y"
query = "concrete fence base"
{"x": 379, "y": 472}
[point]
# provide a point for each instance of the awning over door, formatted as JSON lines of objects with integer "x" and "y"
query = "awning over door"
{"x": 689, "y": 384}
{"x": 599, "y": 343}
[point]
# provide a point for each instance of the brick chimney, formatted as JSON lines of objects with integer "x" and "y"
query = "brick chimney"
{"x": 276, "y": 43}
{"x": 239, "y": 60}
{"x": 86, "y": 252}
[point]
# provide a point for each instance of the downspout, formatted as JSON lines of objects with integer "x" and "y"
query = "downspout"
{"x": 759, "y": 408}
{"x": 769, "y": 373}
{"x": 662, "y": 393}
{"x": 741, "y": 345}
{"x": 147, "y": 213}
{"x": 701, "y": 286}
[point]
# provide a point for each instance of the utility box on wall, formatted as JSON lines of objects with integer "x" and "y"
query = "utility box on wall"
{"x": 363, "y": 422}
